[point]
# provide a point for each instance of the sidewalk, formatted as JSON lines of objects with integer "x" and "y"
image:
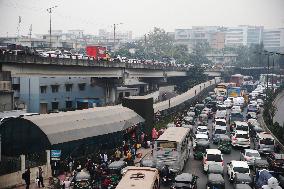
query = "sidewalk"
{"x": 33, "y": 185}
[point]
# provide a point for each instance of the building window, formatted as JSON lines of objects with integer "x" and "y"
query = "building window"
{"x": 43, "y": 89}
{"x": 54, "y": 105}
{"x": 127, "y": 94}
{"x": 68, "y": 87}
{"x": 68, "y": 105}
{"x": 82, "y": 86}
{"x": 54, "y": 88}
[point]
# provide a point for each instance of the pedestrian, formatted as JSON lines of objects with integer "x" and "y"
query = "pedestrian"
{"x": 117, "y": 154}
{"x": 105, "y": 158}
{"x": 40, "y": 177}
{"x": 26, "y": 176}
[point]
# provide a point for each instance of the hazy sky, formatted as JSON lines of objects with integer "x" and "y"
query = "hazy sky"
{"x": 140, "y": 16}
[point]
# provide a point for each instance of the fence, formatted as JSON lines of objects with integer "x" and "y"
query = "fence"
{"x": 35, "y": 160}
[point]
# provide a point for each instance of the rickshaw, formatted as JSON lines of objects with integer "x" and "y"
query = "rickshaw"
{"x": 260, "y": 164}
{"x": 215, "y": 181}
{"x": 215, "y": 169}
{"x": 115, "y": 171}
{"x": 203, "y": 119}
{"x": 200, "y": 149}
{"x": 242, "y": 178}
{"x": 224, "y": 144}
{"x": 198, "y": 109}
{"x": 242, "y": 186}
{"x": 82, "y": 180}
{"x": 185, "y": 181}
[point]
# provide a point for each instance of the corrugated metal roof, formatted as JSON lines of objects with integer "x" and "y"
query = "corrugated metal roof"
{"x": 74, "y": 125}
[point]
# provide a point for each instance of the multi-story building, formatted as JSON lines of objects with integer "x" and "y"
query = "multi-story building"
{"x": 243, "y": 35}
{"x": 217, "y": 40}
{"x": 45, "y": 94}
{"x": 121, "y": 37}
{"x": 273, "y": 39}
{"x": 6, "y": 93}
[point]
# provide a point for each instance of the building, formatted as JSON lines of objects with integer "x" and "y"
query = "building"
{"x": 273, "y": 39}
{"x": 222, "y": 59}
{"x": 47, "y": 94}
{"x": 243, "y": 35}
{"x": 6, "y": 93}
{"x": 217, "y": 40}
{"x": 121, "y": 37}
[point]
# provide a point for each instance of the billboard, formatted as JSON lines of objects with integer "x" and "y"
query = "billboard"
{"x": 234, "y": 92}
{"x": 98, "y": 52}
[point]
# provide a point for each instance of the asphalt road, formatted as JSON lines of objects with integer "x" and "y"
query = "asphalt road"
{"x": 195, "y": 166}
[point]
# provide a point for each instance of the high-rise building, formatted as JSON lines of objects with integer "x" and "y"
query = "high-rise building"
{"x": 243, "y": 35}
{"x": 273, "y": 39}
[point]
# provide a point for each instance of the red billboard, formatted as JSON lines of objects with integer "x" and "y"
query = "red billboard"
{"x": 97, "y": 52}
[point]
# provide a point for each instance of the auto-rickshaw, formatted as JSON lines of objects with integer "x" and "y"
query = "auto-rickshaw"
{"x": 82, "y": 180}
{"x": 115, "y": 171}
{"x": 215, "y": 181}
{"x": 241, "y": 178}
{"x": 224, "y": 144}
{"x": 215, "y": 169}
{"x": 260, "y": 164}
{"x": 185, "y": 181}
{"x": 242, "y": 186}
{"x": 200, "y": 149}
{"x": 198, "y": 109}
{"x": 203, "y": 119}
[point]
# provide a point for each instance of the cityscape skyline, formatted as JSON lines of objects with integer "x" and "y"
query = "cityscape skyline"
{"x": 169, "y": 17}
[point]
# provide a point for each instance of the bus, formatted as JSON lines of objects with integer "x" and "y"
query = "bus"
{"x": 140, "y": 178}
{"x": 172, "y": 148}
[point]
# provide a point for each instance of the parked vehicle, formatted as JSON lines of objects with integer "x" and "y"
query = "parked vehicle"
{"x": 185, "y": 181}
{"x": 215, "y": 181}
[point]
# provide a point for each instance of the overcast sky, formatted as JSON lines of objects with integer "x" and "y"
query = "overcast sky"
{"x": 139, "y": 16}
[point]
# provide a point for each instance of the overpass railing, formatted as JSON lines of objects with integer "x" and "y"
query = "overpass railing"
{"x": 34, "y": 59}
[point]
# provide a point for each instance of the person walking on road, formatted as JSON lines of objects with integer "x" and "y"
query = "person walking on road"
{"x": 27, "y": 178}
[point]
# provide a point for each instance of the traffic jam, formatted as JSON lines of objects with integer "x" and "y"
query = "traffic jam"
{"x": 219, "y": 143}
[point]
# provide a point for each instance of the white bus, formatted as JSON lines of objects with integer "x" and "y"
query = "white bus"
{"x": 140, "y": 178}
{"x": 172, "y": 148}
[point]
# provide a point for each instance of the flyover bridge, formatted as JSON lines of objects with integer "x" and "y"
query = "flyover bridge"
{"x": 27, "y": 65}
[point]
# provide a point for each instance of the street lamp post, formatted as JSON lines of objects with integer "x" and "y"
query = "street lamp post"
{"x": 49, "y": 10}
{"x": 114, "y": 30}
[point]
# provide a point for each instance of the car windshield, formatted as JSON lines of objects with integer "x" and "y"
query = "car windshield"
{"x": 214, "y": 157}
{"x": 252, "y": 154}
{"x": 220, "y": 123}
{"x": 202, "y": 130}
{"x": 220, "y": 131}
{"x": 201, "y": 139}
{"x": 241, "y": 170}
{"x": 237, "y": 115}
{"x": 242, "y": 136}
{"x": 267, "y": 141}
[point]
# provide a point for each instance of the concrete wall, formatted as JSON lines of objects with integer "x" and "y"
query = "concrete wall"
{"x": 169, "y": 88}
{"x": 6, "y": 101}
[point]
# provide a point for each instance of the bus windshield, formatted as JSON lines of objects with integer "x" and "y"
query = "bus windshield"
{"x": 167, "y": 144}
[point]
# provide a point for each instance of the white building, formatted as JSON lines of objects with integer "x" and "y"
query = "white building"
{"x": 273, "y": 39}
{"x": 243, "y": 35}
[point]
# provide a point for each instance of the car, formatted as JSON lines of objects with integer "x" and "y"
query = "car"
{"x": 234, "y": 167}
{"x": 249, "y": 156}
{"x": 265, "y": 142}
{"x": 221, "y": 114}
{"x": 236, "y": 108}
{"x": 260, "y": 102}
{"x": 218, "y": 130}
{"x": 236, "y": 116}
{"x": 212, "y": 156}
{"x": 251, "y": 115}
{"x": 202, "y": 130}
{"x": 240, "y": 139}
{"x": 200, "y": 138}
{"x": 228, "y": 103}
{"x": 220, "y": 122}
{"x": 252, "y": 108}
{"x": 276, "y": 162}
{"x": 241, "y": 126}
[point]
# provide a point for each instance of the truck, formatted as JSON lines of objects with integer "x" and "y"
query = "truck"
{"x": 97, "y": 52}
{"x": 233, "y": 92}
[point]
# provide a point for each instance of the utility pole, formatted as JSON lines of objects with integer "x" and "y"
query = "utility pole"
{"x": 30, "y": 34}
{"x": 49, "y": 10}
{"x": 114, "y": 30}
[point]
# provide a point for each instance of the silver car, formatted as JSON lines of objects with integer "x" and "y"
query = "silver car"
{"x": 249, "y": 156}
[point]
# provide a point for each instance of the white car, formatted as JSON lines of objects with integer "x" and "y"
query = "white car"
{"x": 212, "y": 157}
{"x": 228, "y": 103}
{"x": 237, "y": 109}
{"x": 200, "y": 137}
{"x": 237, "y": 167}
{"x": 202, "y": 130}
{"x": 220, "y": 122}
{"x": 260, "y": 102}
{"x": 240, "y": 138}
{"x": 241, "y": 126}
{"x": 249, "y": 156}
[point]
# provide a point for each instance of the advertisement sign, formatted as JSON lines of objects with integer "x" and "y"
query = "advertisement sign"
{"x": 96, "y": 51}
{"x": 234, "y": 92}
{"x": 55, "y": 154}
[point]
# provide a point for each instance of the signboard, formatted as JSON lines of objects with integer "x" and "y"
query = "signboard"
{"x": 234, "y": 91}
{"x": 55, "y": 154}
